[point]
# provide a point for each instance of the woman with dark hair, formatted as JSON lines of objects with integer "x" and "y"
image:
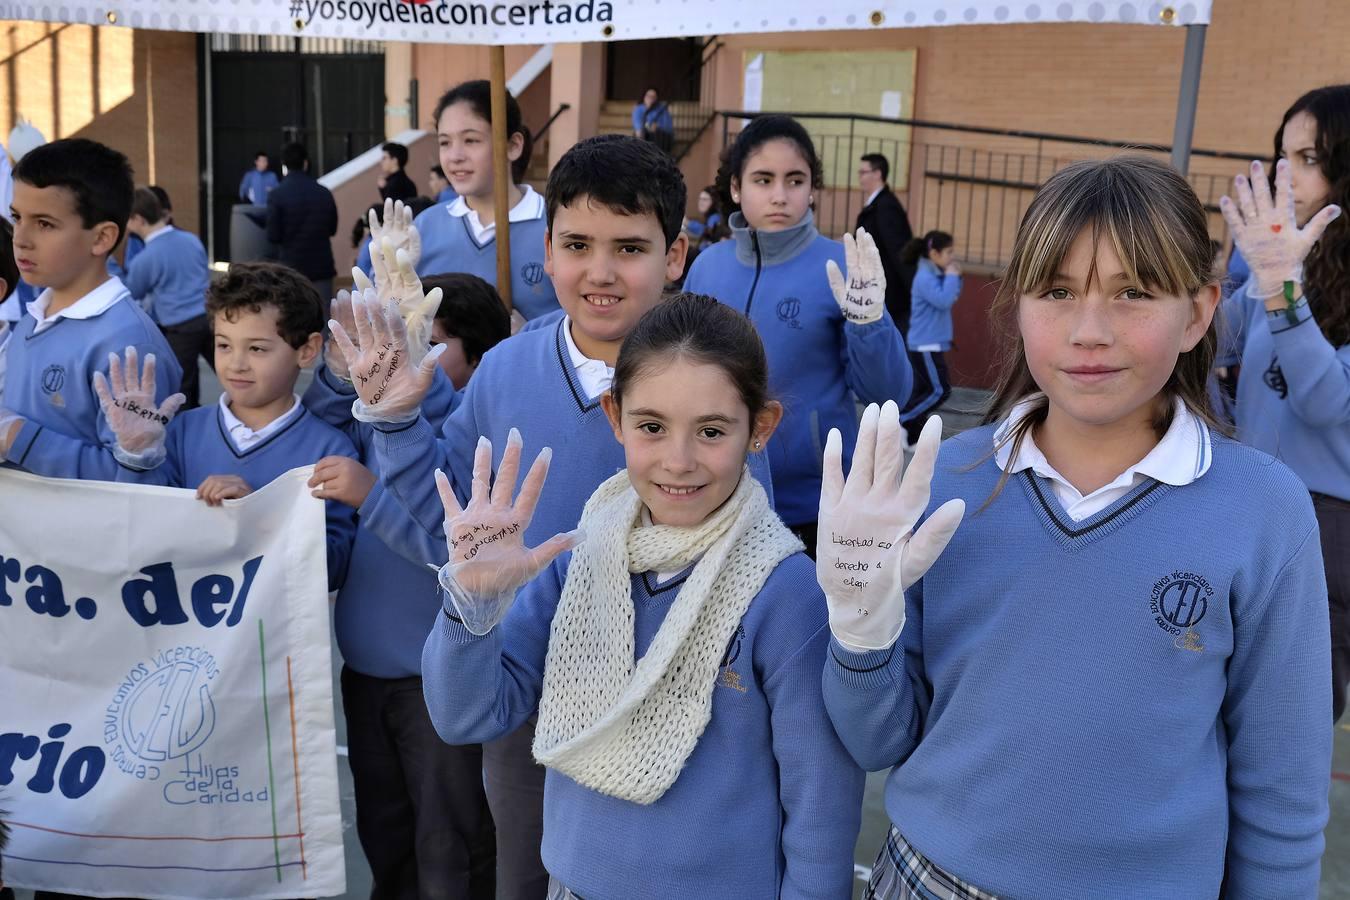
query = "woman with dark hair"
{"x": 830, "y": 344}
{"x": 1292, "y": 319}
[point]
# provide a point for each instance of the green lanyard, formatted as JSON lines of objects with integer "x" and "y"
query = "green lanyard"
{"x": 1290, "y": 303}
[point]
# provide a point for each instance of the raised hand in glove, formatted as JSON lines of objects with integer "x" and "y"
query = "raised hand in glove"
{"x": 867, "y": 550}
{"x": 129, "y": 406}
{"x": 486, "y": 539}
{"x": 397, "y": 282}
{"x": 398, "y": 231}
{"x": 1266, "y": 230}
{"x": 391, "y": 376}
{"x": 861, "y": 294}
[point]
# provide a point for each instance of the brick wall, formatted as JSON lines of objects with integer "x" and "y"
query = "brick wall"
{"x": 133, "y": 90}
{"x": 1106, "y": 81}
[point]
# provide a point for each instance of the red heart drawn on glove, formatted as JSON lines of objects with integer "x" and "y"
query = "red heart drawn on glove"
{"x": 1276, "y": 228}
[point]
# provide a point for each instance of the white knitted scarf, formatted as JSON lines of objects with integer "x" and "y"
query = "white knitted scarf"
{"x": 623, "y": 728}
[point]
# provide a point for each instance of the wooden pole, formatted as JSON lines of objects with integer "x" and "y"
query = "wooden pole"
{"x": 501, "y": 168}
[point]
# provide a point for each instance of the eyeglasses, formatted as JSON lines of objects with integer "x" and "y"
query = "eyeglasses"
{"x": 866, "y": 171}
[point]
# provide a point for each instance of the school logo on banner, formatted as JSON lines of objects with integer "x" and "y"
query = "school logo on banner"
{"x": 1179, "y": 601}
{"x": 166, "y": 716}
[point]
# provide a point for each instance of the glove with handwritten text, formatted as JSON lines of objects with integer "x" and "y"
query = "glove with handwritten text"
{"x": 489, "y": 561}
{"x": 861, "y": 294}
{"x": 391, "y": 375}
{"x": 129, "y": 406}
{"x": 867, "y": 550}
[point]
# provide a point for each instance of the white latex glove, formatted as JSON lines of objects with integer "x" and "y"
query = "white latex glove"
{"x": 488, "y": 559}
{"x": 129, "y": 406}
{"x": 333, "y": 359}
{"x": 389, "y": 375}
{"x": 867, "y": 552}
{"x": 398, "y": 230}
{"x": 397, "y": 282}
{"x": 1266, "y": 230}
{"x": 862, "y": 297}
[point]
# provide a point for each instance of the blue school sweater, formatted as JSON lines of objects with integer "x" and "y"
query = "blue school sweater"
{"x": 1293, "y": 396}
{"x": 1121, "y": 707}
{"x": 932, "y": 296}
{"x": 171, "y": 276}
{"x": 526, "y": 382}
{"x": 387, "y": 604}
{"x": 198, "y": 446}
{"x": 50, "y": 382}
{"x": 448, "y": 246}
{"x": 255, "y": 186}
{"x": 819, "y": 365}
{"x": 767, "y": 805}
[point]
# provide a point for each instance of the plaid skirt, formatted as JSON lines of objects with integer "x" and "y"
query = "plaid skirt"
{"x": 903, "y": 873}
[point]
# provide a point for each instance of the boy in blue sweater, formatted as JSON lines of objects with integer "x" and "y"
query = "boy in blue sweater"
{"x": 169, "y": 278}
{"x": 615, "y": 205}
{"x": 421, "y": 812}
{"x": 268, "y": 321}
{"x": 71, "y": 203}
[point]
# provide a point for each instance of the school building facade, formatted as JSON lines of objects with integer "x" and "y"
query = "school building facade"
{"x": 942, "y": 103}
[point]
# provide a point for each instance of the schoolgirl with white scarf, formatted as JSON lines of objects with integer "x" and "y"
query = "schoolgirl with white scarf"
{"x": 673, "y": 657}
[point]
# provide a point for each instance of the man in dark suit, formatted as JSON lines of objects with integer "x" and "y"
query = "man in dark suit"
{"x": 885, "y": 219}
{"x": 301, "y": 221}
{"x": 394, "y": 183}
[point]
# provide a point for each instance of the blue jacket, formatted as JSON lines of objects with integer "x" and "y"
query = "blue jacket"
{"x": 657, "y": 118}
{"x": 932, "y": 297}
{"x": 1130, "y": 706}
{"x": 819, "y": 365}
{"x": 1293, "y": 397}
{"x": 301, "y": 220}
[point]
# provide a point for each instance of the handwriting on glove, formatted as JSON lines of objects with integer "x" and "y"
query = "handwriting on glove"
{"x": 868, "y": 552}
{"x": 390, "y": 376}
{"x": 862, "y": 294}
{"x": 486, "y": 538}
{"x": 128, "y": 402}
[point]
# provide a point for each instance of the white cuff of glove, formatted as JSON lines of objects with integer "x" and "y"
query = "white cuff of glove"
{"x": 1264, "y": 289}
{"x": 141, "y": 462}
{"x": 865, "y": 634}
{"x": 479, "y": 613}
{"x": 374, "y": 415}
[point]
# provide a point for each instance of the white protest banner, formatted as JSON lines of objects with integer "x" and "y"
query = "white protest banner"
{"x": 166, "y": 720}
{"x": 550, "y": 21}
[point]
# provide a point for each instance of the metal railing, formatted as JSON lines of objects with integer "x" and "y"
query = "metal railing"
{"x": 692, "y": 118}
{"x": 971, "y": 181}
{"x": 562, "y": 108}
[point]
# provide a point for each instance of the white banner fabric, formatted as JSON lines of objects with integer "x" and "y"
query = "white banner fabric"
{"x": 166, "y": 716}
{"x": 552, "y": 21}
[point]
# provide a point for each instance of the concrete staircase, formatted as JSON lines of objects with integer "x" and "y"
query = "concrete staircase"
{"x": 616, "y": 117}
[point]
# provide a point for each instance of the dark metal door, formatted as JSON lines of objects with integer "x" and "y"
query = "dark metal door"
{"x": 331, "y": 102}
